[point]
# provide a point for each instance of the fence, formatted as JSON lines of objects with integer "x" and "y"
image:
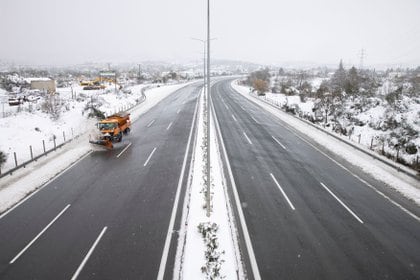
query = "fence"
{"x": 30, "y": 156}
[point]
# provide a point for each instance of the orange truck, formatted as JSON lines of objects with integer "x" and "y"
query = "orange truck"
{"x": 112, "y": 129}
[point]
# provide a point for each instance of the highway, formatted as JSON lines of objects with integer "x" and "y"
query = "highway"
{"x": 112, "y": 215}
{"x": 309, "y": 214}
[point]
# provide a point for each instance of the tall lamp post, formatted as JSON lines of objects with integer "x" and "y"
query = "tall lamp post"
{"x": 207, "y": 79}
{"x": 208, "y": 108}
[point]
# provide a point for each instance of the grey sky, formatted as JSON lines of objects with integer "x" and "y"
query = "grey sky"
{"x": 263, "y": 31}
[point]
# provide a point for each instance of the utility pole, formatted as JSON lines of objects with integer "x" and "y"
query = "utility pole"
{"x": 115, "y": 81}
{"x": 208, "y": 110}
{"x": 139, "y": 73}
{"x": 362, "y": 55}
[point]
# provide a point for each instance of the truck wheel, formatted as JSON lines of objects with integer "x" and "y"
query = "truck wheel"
{"x": 127, "y": 130}
{"x": 119, "y": 139}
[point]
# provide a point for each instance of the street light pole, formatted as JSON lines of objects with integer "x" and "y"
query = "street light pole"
{"x": 206, "y": 80}
{"x": 208, "y": 110}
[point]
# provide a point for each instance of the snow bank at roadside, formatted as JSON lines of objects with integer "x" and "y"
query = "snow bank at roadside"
{"x": 407, "y": 186}
{"x": 26, "y": 180}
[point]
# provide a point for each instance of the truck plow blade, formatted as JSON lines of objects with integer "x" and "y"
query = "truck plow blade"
{"x": 104, "y": 143}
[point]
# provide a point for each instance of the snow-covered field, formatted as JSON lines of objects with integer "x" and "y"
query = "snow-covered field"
{"x": 407, "y": 186}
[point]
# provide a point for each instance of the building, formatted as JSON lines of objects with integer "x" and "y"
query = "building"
{"x": 43, "y": 84}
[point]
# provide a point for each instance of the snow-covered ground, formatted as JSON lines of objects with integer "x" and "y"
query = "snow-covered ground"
{"x": 26, "y": 180}
{"x": 407, "y": 186}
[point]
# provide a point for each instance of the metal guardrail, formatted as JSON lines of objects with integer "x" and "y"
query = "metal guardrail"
{"x": 46, "y": 152}
{"x": 399, "y": 168}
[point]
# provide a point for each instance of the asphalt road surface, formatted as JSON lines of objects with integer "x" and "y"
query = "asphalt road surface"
{"x": 108, "y": 216}
{"x": 309, "y": 214}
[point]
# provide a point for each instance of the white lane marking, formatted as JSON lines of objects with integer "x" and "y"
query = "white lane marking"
{"x": 224, "y": 103}
{"x": 247, "y": 138}
{"x": 255, "y": 120}
{"x": 165, "y": 252}
{"x": 248, "y": 243}
{"x": 52, "y": 180}
{"x": 179, "y": 110}
{"x": 125, "y": 149}
{"x": 183, "y": 102}
{"x": 150, "y": 156}
{"x": 342, "y": 203}
{"x": 282, "y": 191}
{"x": 233, "y": 117}
{"x": 242, "y": 107}
{"x": 39, "y": 234}
{"x": 150, "y": 123}
{"x": 169, "y": 126}
{"x": 358, "y": 178}
{"x": 79, "y": 269}
{"x": 278, "y": 142}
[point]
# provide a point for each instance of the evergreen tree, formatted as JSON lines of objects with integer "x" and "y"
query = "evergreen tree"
{"x": 352, "y": 82}
{"x": 338, "y": 80}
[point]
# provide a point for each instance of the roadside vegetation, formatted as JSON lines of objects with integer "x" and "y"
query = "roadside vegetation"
{"x": 378, "y": 108}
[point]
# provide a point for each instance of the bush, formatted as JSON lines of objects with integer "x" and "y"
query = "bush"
{"x": 95, "y": 113}
{"x": 411, "y": 149}
{"x": 260, "y": 86}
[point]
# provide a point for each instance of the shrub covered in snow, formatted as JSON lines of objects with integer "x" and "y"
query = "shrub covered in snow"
{"x": 213, "y": 257}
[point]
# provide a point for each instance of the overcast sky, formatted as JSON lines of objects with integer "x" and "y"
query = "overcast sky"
{"x": 262, "y": 31}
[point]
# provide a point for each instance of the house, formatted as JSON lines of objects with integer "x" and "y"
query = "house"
{"x": 43, "y": 84}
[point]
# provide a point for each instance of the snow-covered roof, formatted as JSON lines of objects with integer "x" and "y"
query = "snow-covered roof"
{"x": 37, "y": 79}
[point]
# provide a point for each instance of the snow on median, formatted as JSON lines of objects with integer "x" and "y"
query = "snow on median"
{"x": 206, "y": 246}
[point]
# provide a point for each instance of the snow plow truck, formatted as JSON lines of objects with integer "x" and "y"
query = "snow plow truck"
{"x": 111, "y": 129}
